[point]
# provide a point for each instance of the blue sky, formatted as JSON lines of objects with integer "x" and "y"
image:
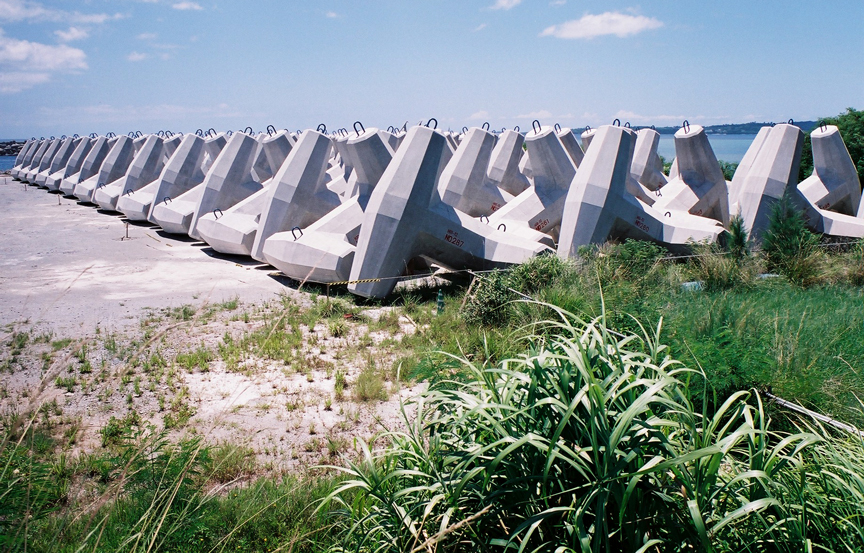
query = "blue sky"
{"x": 121, "y": 65}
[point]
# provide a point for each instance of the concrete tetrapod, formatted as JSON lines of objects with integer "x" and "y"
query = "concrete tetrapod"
{"x": 73, "y": 165}
{"x": 91, "y": 165}
{"x": 233, "y": 231}
{"x": 59, "y": 161}
{"x": 525, "y": 166}
{"x": 832, "y": 193}
{"x": 834, "y": 184}
{"x": 587, "y": 136}
{"x": 599, "y": 207}
{"x": 44, "y": 161}
{"x": 463, "y": 183}
{"x": 24, "y": 156}
{"x": 700, "y": 187}
{"x": 743, "y": 170}
{"x": 571, "y": 145}
{"x": 33, "y": 161}
{"x": 298, "y": 195}
{"x": 774, "y": 169}
{"x": 144, "y": 169}
{"x": 340, "y": 176}
{"x": 229, "y": 181}
{"x": 114, "y": 167}
{"x": 272, "y": 151}
{"x": 647, "y": 166}
{"x": 504, "y": 163}
{"x": 184, "y": 168}
{"x": 405, "y": 218}
{"x": 324, "y": 250}
{"x": 540, "y": 207}
{"x": 177, "y": 197}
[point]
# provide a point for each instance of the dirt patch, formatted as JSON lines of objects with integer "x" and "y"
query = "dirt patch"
{"x": 298, "y": 384}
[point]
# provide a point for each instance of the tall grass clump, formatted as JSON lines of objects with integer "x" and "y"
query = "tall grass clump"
{"x": 144, "y": 493}
{"x": 588, "y": 442}
{"x": 855, "y": 263}
{"x": 790, "y": 248}
{"x": 492, "y": 294}
{"x": 727, "y": 263}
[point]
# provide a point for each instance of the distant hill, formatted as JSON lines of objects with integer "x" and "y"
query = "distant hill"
{"x": 739, "y": 128}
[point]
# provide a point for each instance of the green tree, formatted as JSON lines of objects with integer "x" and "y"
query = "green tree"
{"x": 851, "y": 125}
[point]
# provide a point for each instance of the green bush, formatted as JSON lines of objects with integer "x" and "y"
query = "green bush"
{"x": 489, "y": 299}
{"x": 790, "y": 248}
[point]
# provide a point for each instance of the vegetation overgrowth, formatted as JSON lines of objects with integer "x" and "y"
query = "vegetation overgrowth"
{"x": 589, "y": 442}
{"x": 559, "y": 417}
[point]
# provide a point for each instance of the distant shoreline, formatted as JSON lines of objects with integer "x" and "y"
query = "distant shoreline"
{"x": 740, "y": 128}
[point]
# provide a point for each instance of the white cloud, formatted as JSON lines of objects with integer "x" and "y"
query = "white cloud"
{"x": 146, "y": 36}
{"x": 74, "y": 33}
{"x": 35, "y": 57}
{"x": 331, "y": 15}
{"x": 95, "y": 18}
{"x": 479, "y": 27}
{"x": 542, "y": 114}
{"x": 25, "y": 64}
{"x": 187, "y": 6}
{"x": 607, "y": 23}
{"x": 504, "y": 4}
{"x": 20, "y": 10}
{"x": 557, "y": 2}
{"x": 16, "y": 81}
{"x": 136, "y": 56}
{"x": 25, "y": 10}
{"x": 480, "y": 115}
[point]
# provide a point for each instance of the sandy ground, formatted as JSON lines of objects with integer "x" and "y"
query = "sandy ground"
{"x": 87, "y": 299}
{"x": 69, "y": 266}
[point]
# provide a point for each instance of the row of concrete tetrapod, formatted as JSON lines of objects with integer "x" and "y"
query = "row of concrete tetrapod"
{"x": 361, "y": 208}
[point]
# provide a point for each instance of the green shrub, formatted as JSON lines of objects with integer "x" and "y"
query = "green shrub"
{"x": 790, "y": 248}
{"x": 538, "y": 272}
{"x": 487, "y": 304}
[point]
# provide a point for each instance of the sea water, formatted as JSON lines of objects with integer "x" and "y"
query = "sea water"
{"x": 727, "y": 147}
{"x": 6, "y": 162}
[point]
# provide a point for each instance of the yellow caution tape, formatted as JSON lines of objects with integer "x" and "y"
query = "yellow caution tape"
{"x": 354, "y": 281}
